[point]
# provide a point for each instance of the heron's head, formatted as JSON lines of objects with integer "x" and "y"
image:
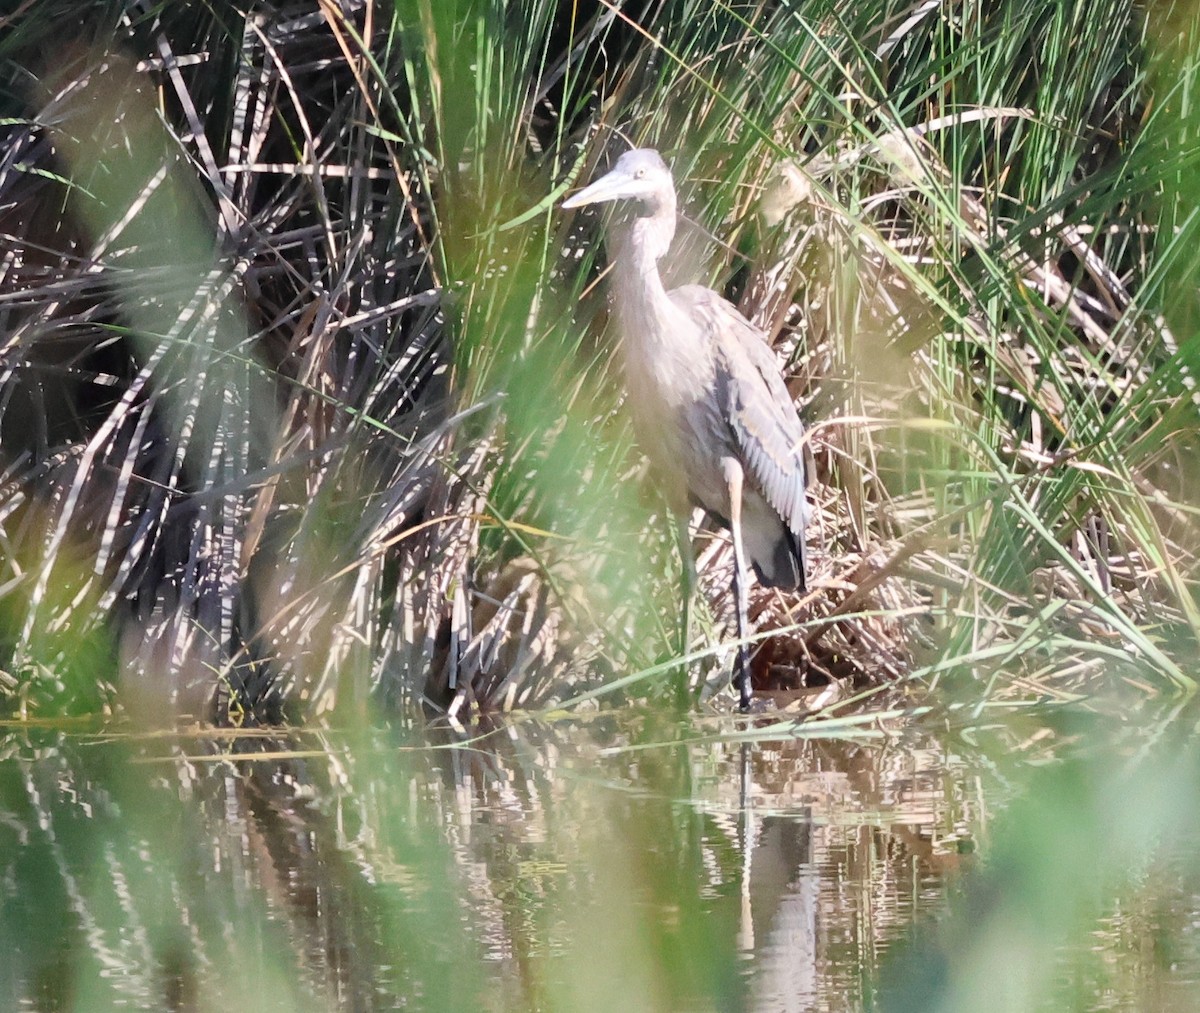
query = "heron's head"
{"x": 639, "y": 175}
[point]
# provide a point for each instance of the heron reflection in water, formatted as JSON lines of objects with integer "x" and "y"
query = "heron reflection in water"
{"x": 709, "y": 405}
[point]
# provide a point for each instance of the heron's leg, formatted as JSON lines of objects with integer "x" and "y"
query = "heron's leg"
{"x": 688, "y": 578}
{"x": 741, "y": 672}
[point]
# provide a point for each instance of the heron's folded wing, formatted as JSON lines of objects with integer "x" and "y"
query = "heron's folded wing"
{"x": 759, "y": 411}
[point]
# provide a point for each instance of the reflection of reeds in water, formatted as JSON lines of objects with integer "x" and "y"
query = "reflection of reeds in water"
{"x": 537, "y": 865}
{"x": 181, "y": 877}
{"x": 576, "y": 864}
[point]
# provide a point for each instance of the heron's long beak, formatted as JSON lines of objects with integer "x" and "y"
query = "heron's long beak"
{"x": 613, "y": 186}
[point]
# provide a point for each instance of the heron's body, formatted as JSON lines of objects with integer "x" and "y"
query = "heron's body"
{"x": 709, "y": 405}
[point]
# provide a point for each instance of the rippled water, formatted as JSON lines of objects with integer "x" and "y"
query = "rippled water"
{"x": 611, "y": 863}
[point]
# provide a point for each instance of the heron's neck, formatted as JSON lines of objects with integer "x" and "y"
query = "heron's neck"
{"x": 640, "y": 291}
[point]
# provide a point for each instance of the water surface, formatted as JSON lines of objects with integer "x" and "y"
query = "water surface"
{"x": 619, "y": 861}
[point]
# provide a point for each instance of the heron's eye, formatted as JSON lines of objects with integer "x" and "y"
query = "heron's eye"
{"x": 639, "y": 174}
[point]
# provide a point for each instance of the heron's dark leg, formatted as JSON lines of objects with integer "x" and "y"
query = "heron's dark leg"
{"x": 741, "y": 671}
{"x": 688, "y": 578}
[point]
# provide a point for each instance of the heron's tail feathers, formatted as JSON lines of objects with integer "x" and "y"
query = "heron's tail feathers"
{"x": 778, "y": 560}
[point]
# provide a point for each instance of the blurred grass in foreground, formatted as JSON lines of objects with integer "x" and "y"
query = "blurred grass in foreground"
{"x": 296, "y": 418}
{"x": 623, "y": 860}
{"x": 1085, "y": 894}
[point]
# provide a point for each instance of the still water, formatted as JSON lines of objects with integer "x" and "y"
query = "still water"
{"x": 616, "y": 862}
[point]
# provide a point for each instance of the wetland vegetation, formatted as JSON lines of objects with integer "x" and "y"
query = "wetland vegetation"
{"x": 310, "y": 432}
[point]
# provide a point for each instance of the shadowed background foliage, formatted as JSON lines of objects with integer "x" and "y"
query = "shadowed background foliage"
{"x": 298, "y": 408}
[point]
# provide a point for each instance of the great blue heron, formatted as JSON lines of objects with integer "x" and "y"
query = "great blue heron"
{"x": 708, "y": 402}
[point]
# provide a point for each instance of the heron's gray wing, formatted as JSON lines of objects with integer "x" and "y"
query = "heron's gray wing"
{"x": 755, "y": 402}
